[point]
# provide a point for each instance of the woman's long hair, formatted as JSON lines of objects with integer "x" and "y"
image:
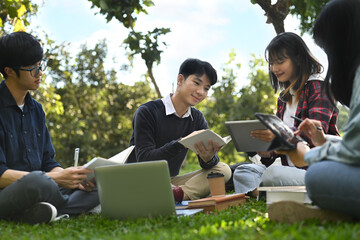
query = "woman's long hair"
{"x": 337, "y": 31}
{"x": 290, "y": 45}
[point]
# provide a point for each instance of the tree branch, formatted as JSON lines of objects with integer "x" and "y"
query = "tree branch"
{"x": 276, "y": 13}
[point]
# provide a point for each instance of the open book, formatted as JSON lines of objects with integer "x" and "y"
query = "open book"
{"x": 203, "y": 135}
{"x": 119, "y": 158}
{"x": 284, "y": 137}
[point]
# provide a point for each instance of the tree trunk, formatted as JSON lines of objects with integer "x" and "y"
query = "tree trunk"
{"x": 154, "y": 82}
{"x": 276, "y": 13}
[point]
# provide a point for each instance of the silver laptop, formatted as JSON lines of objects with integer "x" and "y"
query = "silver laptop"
{"x": 240, "y": 134}
{"x": 135, "y": 190}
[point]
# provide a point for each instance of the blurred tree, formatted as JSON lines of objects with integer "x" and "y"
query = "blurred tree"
{"x": 221, "y": 106}
{"x": 275, "y": 13}
{"x": 144, "y": 44}
{"x": 124, "y": 10}
{"x": 15, "y": 14}
{"x": 258, "y": 96}
{"x": 94, "y": 111}
{"x": 305, "y": 11}
{"x": 148, "y": 47}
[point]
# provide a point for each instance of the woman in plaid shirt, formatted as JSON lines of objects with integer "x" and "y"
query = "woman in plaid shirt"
{"x": 294, "y": 70}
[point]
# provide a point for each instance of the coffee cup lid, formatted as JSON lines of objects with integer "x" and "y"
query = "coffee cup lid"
{"x": 215, "y": 175}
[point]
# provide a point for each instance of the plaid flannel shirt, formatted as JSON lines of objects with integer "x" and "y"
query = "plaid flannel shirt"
{"x": 314, "y": 104}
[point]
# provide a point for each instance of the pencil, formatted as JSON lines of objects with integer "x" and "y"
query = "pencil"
{"x": 76, "y": 157}
{"x": 301, "y": 120}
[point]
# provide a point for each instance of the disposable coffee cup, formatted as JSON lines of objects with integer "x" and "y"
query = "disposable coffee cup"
{"x": 216, "y": 183}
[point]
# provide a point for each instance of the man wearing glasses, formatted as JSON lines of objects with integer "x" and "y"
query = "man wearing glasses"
{"x": 34, "y": 188}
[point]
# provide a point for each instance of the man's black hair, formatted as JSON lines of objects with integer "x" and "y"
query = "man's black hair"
{"x": 19, "y": 49}
{"x": 198, "y": 68}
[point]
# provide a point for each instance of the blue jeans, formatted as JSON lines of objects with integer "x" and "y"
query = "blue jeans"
{"x": 38, "y": 187}
{"x": 283, "y": 176}
{"x": 247, "y": 177}
{"x": 334, "y": 186}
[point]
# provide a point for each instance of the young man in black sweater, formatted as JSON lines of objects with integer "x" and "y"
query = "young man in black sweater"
{"x": 159, "y": 125}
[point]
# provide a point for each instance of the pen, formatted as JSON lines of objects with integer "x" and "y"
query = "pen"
{"x": 301, "y": 120}
{"x": 76, "y": 156}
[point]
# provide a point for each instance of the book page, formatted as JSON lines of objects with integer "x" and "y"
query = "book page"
{"x": 194, "y": 133}
{"x": 300, "y": 197}
{"x": 227, "y": 139}
{"x": 122, "y": 156}
{"x": 119, "y": 158}
{"x": 97, "y": 162}
{"x": 204, "y": 136}
{"x": 285, "y": 193}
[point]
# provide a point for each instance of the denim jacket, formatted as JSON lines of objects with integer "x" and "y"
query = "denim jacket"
{"x": 347, "y": 149}
{"x": 25, "y": 142}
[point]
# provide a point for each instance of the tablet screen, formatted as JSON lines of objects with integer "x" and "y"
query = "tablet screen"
{"x": 278, "y": 127}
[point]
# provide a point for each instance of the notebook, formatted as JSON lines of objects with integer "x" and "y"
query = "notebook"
{"x": 240, "y": 134}
{"x": 285, "y": 193}
{"x": 136, "y": 190}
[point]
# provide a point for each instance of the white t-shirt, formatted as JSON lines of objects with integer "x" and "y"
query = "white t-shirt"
{"x": 290, "y": 109}
{"x": 21, "y": 107}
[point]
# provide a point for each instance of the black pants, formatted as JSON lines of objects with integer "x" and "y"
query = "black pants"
{"x": 38, "y": 187}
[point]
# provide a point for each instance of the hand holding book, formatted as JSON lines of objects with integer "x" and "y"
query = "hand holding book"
{"x": 203, "y": 136}
{"x": 119, "y": 158}
{"x": 207, "y": 151}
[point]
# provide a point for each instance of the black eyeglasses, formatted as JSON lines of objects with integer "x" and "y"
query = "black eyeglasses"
{"x": 34, "y": 71}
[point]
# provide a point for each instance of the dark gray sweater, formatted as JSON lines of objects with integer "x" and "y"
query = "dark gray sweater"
{"x": 156, "y": 136}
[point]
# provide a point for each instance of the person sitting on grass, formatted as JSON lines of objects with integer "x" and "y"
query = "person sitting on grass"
{"x": 333, "y": 177}
{"x": 294, "y": 70}
{"x": 159, "y": 125}
{"x": 34, "y": 188}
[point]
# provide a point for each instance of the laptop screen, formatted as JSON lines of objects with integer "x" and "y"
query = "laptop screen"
{"x": 135, "y": 190}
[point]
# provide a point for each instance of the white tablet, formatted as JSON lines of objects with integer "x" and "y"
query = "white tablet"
{"x": 240, "y": 134}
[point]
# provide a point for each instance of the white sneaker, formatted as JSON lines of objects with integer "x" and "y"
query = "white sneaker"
{"x": 61, "y": 217}
{"x": 41, "y": 212}
{"x": 95, "y": 210}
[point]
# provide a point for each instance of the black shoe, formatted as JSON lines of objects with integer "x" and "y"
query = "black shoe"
{"x": 41, "y": 212}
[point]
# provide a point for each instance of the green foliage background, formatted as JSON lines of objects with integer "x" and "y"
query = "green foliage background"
{"x": 87, "y": 106}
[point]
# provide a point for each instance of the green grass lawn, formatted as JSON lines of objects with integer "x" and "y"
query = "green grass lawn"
{"x": 243, "y": 222}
